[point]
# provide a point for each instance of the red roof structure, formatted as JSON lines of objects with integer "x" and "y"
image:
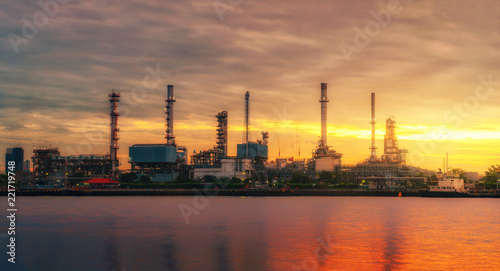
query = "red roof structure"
{"x": 101, "y": 181}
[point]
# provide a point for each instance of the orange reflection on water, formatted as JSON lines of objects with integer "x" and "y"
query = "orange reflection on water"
{"x": 264, "y": 233}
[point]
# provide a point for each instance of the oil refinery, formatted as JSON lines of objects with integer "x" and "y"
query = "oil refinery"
{"x": 169, "y": 162}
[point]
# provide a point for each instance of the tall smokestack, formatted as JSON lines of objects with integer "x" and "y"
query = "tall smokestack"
{"x": 373, "y": 147}
{"x": 447, "y": 167}
{"x": 169, "y": 112}
{"x": 324, "y": 112}
{"x": 247, "y": 113}
{"x": 114, "y": 98}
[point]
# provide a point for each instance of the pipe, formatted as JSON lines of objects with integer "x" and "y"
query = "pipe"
{"x": 324, "y": 113}
{"x": 247, "y": 113}
{"x": 373, "y": 147}
{"x": 169, "y": 111}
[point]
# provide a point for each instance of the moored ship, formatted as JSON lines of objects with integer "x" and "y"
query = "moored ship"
{"x": 449, "y": 186}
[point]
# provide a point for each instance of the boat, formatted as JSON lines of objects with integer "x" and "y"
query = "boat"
{"x": 449, "y": 186}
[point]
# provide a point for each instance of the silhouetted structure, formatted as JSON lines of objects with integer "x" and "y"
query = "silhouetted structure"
{"x": 114, "y": 98}
{"x": 16, "y": 155}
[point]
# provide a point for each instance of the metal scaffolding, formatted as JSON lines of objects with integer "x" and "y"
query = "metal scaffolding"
{"x": 246, "y": 132}
{"x": 43, "y": 161}
{"x": 222, "y": 132}
{"x": 212, "y": 157}
{"x": 373, "y": 147}
{"x": 169, "y": 112}
{"x": 114, "y": 98}
{"x": 392, "y": 153}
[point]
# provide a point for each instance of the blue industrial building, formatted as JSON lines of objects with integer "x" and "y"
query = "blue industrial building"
{"x": 152, "y": 153}
{"x": 161, "y": 162}
{"x": 255, "y": 150}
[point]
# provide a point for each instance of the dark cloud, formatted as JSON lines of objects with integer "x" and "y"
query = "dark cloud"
{"x": 426, "y": 59}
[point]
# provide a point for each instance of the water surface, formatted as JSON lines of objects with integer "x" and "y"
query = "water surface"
{"x": 260, "y": 233}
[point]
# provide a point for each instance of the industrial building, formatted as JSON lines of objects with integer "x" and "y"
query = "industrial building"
{"x": 389, "y": 170}
{"x": 392, "y": 153}
{"x": 26, "y": 166}
{"x": 75, "y": 168}
{"x": 324, "y": 158}
{"x": 168, "y": 161}
{"x": 257, "y": 151}
{"x": 49, "y": 166}
{"x": 16, "y": 155}
{"x": 43, "y": 160}
{"x": 250, "y": 155}
{"x": 230, "y": 167}
{"x": 160, "y": 162}
{"x": 213, "y": 157}
{"x": 157, "y": 161}
{"x": 114, "y": 98}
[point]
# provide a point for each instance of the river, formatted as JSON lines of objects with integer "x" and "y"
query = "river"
{"x": 254, "y": 233}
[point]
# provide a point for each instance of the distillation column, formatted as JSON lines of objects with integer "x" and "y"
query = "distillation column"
{"x": 324, "y": 113}
{"x": 169, "y": 112}
{"x": 247, "y": 113}
{"x": 373, "y": 148}
{"x": 222, "y": 132}
{"x": 114, "y": 98}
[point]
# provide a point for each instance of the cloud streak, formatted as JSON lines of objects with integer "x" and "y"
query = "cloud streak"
{"x": 426, "y": 60}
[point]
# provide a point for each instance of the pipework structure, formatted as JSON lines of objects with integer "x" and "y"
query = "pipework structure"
{"x": 392, "y": 153}
{"x": 324, "y": 113}
{"x": 247, "y": 116}
{"x": 324, "y": 158}
{"x": 114, "y": 98}
{"x": 213, "y": 157}
{"x": 222, "y": 132}
{"x": 373, "y": 147}
{"x": 161, "y": 162}
{"x": 169, "y": 112}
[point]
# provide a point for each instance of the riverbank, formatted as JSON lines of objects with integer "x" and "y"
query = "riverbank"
{"x": 235, "y": 192}
{"x": 211, "y": 192}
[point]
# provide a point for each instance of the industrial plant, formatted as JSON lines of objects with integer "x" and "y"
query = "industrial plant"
{"x": 169, "y": 162}
{"x": 160, "y": 162}
{"x": 324, "y": 158}
{"x": 250, "y": 157}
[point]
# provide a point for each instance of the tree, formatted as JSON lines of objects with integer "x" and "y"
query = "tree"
{"x": 235, "y": 180}
{"x": 223, "y": 182}
{"x": 145, "y": 179}
{"x": 491, "y": 176}
{"x": 210, "y": 179}
{"x": 128, "y": 177}
{"x": 299, "y": 177}
{"x": 179, "y": 179}
{"x": 434, "y": 177}
{"x": 460, "y": 172}
{"x": 421, "y": 174}
{"x": 326, "y": 176}
{"x": 337, "y": 176}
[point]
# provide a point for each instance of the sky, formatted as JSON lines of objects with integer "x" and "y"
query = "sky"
{"x": 432, "y": 64}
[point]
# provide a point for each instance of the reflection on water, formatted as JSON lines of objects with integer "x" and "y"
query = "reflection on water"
{"x": 324, "y": 233}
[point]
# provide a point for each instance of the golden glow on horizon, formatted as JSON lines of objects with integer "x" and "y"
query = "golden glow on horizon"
{"x": 427, "y": 145}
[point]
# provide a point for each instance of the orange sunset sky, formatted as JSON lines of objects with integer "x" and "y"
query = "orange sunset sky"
{"x": 433, "y": 66}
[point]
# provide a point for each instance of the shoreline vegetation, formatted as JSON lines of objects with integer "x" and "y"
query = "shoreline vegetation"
{"x": 251, "y": 192}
